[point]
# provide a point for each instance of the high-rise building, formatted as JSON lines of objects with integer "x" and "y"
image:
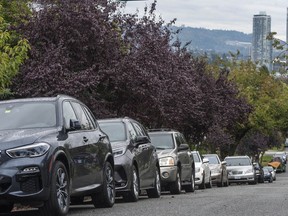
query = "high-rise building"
{"x": 261, "y": 46}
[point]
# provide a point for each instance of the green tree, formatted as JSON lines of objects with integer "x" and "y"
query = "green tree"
{"x": 13, "y": 48}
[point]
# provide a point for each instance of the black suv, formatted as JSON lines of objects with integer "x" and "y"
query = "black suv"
{"x": 176, "y": 163}
{"x": 52, "y": 151}
{"x": 136, "y": 161}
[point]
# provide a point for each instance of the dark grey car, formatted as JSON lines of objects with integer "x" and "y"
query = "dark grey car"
{"x": 136, "y": 161}
{"x": 51, "y": 150}
{"x": 176, "y": 163}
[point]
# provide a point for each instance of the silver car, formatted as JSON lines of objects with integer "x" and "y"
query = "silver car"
{"x": 218, "y": 169}
{"x": 241, "y": 169}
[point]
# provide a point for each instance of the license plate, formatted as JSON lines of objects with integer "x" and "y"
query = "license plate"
{"x": 237, "y": 177}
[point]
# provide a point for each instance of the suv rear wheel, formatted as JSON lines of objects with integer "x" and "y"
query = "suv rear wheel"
{"x": 191, "y": 186}
{"x": 133, "y": 194}
{"x": 106, "y": 198}
{"x": 156, "y": 191}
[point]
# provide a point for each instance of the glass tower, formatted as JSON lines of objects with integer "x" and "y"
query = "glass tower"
{"x": 261, "y": 46}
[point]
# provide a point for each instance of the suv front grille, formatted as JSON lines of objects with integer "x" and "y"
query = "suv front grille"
{"x": 237, "y": 172}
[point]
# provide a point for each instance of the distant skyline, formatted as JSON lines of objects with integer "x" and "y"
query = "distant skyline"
{"x": 224, "y": 15}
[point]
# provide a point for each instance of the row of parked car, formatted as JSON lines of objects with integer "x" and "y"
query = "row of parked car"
{"x": 54, "y": 153}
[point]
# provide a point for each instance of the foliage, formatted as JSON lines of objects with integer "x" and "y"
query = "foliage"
{"x": 124, "y": 65}
{"x": 13, "y": 49}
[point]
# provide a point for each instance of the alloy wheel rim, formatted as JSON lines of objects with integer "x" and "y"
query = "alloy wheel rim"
{"x": 158, "y": 183}
{"x": 62, "y": 189}
{"x": 179, "y": 181}
{"x": 110, "y": 184}
{"x": 135, "y": 183}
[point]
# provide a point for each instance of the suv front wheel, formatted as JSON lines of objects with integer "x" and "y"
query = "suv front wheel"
{"x": 59, "y": 201}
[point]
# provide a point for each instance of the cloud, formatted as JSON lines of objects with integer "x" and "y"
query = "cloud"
{"x": 226, "y": 14}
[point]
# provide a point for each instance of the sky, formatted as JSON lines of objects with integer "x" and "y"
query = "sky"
{"x": 222, "y": 14}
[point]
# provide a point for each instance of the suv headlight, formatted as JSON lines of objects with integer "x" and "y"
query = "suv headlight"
{"x": 34, "y": 150}
{"x": 249, "y": 171}
{"x": 167, "y": 161}
{"x": 119, "y": 151}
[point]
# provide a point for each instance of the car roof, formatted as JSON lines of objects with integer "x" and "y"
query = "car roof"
{"x": 162, "y": 130}
{"x": 240, "y": 156}
{"x": 35, "y": 99}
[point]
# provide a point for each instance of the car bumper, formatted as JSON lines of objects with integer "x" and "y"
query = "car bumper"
{"x": 122, "y": 173}
{"x": 216, "y": 178}
{"x": 168, "y": 174}
{"x": 241, "y": 178}
{"x": 24, "y": 180}
{"x": 198, "y": 178}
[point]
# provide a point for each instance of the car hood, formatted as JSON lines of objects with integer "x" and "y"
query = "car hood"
{"x": 119, "y": 144}
{"x": 198, "y": 164}
{"x": 214, "y": 166}
{"x": 165, "y": 153}
{"x": 14, "y": 138}
{"x": 239, "y": 168}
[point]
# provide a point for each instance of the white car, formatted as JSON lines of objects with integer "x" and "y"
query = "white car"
{"x": 202, "y": 171}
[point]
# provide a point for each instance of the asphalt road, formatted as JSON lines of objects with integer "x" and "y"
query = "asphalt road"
{"x": 252, "y": 200}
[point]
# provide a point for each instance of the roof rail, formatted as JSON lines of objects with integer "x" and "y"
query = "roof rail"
{"x": 160, "y": 129}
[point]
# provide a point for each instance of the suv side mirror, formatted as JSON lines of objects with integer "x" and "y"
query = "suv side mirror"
{"x": 74, "y": 125}
{"x": 183, "y": 147}
{"x": 224, "y": 163}
{"x": 205, "y": 160}
{"x": 141, "y": 140}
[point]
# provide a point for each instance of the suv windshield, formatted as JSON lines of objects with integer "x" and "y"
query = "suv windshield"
{"x": 27, "y": 115}
{"x": 238, "y": 161}
{"x": 162, "y": 141}
{"x": 196, "y": 157}
{"x": 114, "y": 130}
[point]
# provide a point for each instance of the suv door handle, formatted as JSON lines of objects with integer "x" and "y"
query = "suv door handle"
{"x": 85, "y": 139}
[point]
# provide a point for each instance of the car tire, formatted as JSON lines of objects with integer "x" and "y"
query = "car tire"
{"x": 155, "y": 192}
{"x": 175, "y": 187}
{"x": 202, "y": 185}
{"x": 226, "y": 184}
{"x": 221, "y": 183}
{"x": 5, "y": 206}
{"x": 106, "y": 198}
{"x": 191, "y": 186}
{"x": 209, "y": 184}
{"x": 133, "y": 194}
{"x": 59, "y": 200}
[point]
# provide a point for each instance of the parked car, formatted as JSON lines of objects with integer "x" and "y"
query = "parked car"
{"x": 241, "y": 170}
{"x": 136, "y": 161}
{"x": 202, "y": 171}
{"x": 52, "y": 149}
{"x": 272, "y": 170}
{"x": 281, "y": 166}
{"x": 259, "y": 172}
{"x": 267, "y": 175}
{"x": 281, "y": 155}
{"x": 177, "y": 167}
{"x": 219, "y": 174}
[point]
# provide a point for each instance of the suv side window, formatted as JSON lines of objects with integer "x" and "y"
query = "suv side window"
{"x": 179, "y": 141}
{"x": 84, "y": 121}
{"x": 140, "y": 131}
{"x": 68, "y": 113}
{"x": 91, "y": 119}
{"x": 131, "y": 131}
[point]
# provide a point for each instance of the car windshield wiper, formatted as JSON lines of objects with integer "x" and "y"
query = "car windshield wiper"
{"x": 160, "y": 148}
